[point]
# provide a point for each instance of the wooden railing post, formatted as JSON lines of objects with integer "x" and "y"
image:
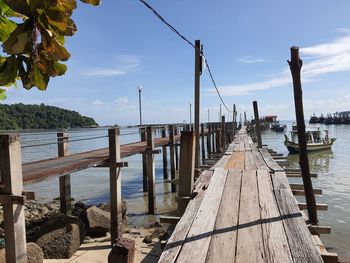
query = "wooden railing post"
{"x": 176, "y": 151}
{"x": 295, "y": 68}
{"x": 186, "y": 173}
{"x": 208, "y": 139}
{"x": 172, "y": 157}
{"x": 64, "y": 181}
{"x": 150, "y": 170}
{"x": 12, "y": 187}
{"x": 223, "y": 133}
{"x": 213, "y": 136}
{"x": 115, "y": 184}
{"x": 218, "y": 140}
{"x": 144, "y": 164}
{"x": 257, "y": 124}
{"x": 165, "y": 156}
{"x": 202, "y": 143}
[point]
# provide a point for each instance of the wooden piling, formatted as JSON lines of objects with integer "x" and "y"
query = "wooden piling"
{"x": 115, "y": 185}
{"x": 197, "y": 73}
{"x": 150, "y": 170}
{"x": 172, "y": 157}
{"x": 12, "y": 185}
{"x": 165, "y": 156}
{"x": 295, "y": 67}
{"x": 257, "y": 124}
{"x": 176, "y": 151}
{"x": 186, "y": 173}
{"x": 213, "y": 136}
{"x": 218, "y": 140}
{"x": 64, "y": 181}
{"x": 223, "y": 133}
{"x": 208, "y": 140}
{"x": 202, "y": 143}
{"x": 144, "y": 162}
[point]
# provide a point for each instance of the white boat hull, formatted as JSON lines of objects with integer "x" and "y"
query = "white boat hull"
{"x": 294, "y": 147}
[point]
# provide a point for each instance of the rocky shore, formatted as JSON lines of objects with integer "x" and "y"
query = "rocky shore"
{"x": 52, "y": 235}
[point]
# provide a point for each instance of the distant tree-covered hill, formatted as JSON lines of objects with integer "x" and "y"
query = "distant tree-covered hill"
{"x": 21, "y": 116}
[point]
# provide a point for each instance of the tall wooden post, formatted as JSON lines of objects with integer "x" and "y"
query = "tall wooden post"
{"x": 12, "y": 185}
{"x": 234, "y": 119}
{"x": 197, "y": 73}
{"x": 257, "y": 124}
{"x": 165, "y": 156}
{"x": 218, "y": 140}
{"x": 176, "y": 151}
{"x": 115, "y": 184}
{"x": 172, "y": 157}
{"x": 208, "y": 139}
{"x": 144, "y": 161}
{"x": 150, "y": 170}
{"x": 202, "y": 143}
{"x": 213, "y": 133}
{"x": 65, "y": 187}
{"x": 186, "y": 174}
{"x": 223, "y": 132}
{"x": 295, "y": 67}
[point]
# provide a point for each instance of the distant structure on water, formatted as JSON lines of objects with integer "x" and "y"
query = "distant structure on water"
{"x": 335, "y": 118}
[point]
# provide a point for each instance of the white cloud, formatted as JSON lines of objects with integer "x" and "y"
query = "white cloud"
{"x": 123, "y": 64}
{"x": 249, "y": 60}
{"x": 97, "y": 102}
{"x": 321, "y": 59}
{"x": 122, "y": 104}
{"x": 103, "y": 72}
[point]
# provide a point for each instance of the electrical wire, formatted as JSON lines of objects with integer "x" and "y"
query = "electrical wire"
{"x": 190, "y": 43}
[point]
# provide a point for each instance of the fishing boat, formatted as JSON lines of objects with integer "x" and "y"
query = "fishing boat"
{"x": 316, "y": 140}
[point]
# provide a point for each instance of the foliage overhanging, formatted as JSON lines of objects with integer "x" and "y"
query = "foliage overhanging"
{"x": 32, "y": 33}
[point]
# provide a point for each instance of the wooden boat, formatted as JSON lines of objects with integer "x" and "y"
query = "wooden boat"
{"x": 316, "y": 140}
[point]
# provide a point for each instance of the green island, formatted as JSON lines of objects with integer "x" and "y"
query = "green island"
{"x": 21, "y": 116}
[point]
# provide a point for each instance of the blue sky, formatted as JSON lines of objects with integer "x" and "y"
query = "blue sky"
{"x": 121, "y": 44}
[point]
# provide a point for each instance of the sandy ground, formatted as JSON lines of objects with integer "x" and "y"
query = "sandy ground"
{"x": 97, "y": 251}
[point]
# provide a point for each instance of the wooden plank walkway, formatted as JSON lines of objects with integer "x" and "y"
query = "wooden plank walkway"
{"x": 245, "y": 213}
{"x": 41, "y": 170}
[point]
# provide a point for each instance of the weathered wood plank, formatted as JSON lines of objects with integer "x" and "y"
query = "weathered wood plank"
{"x": 223, "y": 242}
{"x": 249, "y": 161}
{"x": 177, "y": 239}
{"x": 299, "y": 238}
{"x": 275, "y": 241}
{"x": 250, "y": 247}
{"x": 270, "y": 162}
{"x": 198, "y": 238}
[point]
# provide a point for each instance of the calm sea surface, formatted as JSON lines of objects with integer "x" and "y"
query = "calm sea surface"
{"x": 91, "y": 185}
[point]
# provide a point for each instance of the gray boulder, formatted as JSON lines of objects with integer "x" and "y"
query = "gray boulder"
{"x": 61, "y": 236}
{"x": 34, "y": 254}
{"x": 97, "y": 221}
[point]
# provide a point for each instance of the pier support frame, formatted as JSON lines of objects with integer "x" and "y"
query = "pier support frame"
{"x": 186, "y": 173}
{"x": 11, "y": 198}
{"x": 172, "y": 157}
{"x": 165, "y": 156}
{"x": 64, "y": 181}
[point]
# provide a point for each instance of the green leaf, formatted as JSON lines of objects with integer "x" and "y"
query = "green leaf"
{"x": 3, "y": 94}
{"x": 53, "y": 49}
{"x": 8, "y": 70}
{"x": 40, "y": 80}
{"x": 6, "y": 28}
{"x": 19, "y": 6}
{"x": 92, "y": 2}
{"x": 7, "y": 11}
{"x": 59, "y": 68}
{"x": 20, "y": 40}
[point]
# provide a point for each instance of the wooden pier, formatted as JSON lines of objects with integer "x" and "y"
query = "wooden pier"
{"x": 240, "y": 208}
{"x": 243, "y": 210}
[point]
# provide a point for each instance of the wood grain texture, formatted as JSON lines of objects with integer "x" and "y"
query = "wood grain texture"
{"x": 250, "y": 247}
{"x": 223, "y": 242}
{"x": 198, "y": 238}
{"x": 275, "y": 241}
{"x": 298, "y": 236}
